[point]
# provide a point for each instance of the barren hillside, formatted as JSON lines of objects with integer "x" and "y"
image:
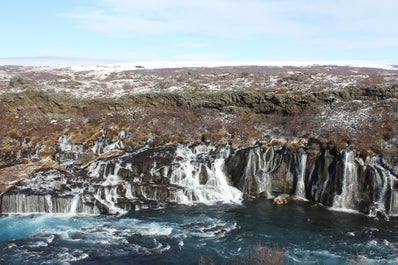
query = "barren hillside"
{"x": 337, "y": 105}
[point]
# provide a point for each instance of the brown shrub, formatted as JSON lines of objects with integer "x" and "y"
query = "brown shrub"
{"x": 261, "y": 255}
{"x": 258, "y": 255}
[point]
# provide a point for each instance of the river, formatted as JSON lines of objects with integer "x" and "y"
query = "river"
{"x": 305, "y": 232}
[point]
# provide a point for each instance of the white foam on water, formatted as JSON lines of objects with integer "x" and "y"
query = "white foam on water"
{"x": 181, "y": 244}
{"x": 38, "y": 244}
{"x": 68, "y": 255}
{"x": 344, "y": 210}
{"x": 153, "y": 229}
{"x": 301, "y": 256}
{"x": 206, "y": 227}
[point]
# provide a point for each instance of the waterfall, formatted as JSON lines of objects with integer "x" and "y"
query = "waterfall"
{"x": 128, "y": 194}
{"x": 385, "y": 189}
{"x": 348, "y": 198}
{"x": 74, "y": 204}
{"x": 254, "y": 179}
{"x": 265, "y": 168}
{"x": 119, "y": 144}
{"x": 36, "y": 203}
{"x": 300, "y": 187}
{"x": 22, "y": 203}
{"x": 43, "y": 193}
{"x": 394, "y": 203}
{"x": 107, "y": 190}
{"x": 257, "y": 172}
{"x": 155, "y": 177}
{"x": 67, "y": 152}
{"x": 49, "y": 203}
{"x": 203, "y": 181}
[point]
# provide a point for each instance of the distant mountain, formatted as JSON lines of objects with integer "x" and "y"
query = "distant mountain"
{"x": 53, "y": 60}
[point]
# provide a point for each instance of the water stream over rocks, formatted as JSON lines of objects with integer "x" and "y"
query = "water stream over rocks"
{"x": 120, "y": 179}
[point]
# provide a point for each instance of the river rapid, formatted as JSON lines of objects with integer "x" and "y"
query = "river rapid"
{"x": 306, "y": 233}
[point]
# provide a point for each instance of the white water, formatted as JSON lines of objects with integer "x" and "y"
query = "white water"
{"x": 107, "y": 193}
{"x": 265, "y": 166}
{"x": 102, "y": 145}
{"x": 49, "y": 203}
{"x": 74, "y": 204}
{"x": 198, "y": 172}
{"x": 258, "y": 169}
{"x": 255, "y": 173}
{"x": 190, "y": 172}
{"x": 181, "y": 235}
{"x": 67, "y": 151}
{"x": 29, "y": 204}
{"x": 394, "y": 203}
{"x": 348, "y": 197}
{"x": 385, "y": 181}
{"x": 300, "y": 187}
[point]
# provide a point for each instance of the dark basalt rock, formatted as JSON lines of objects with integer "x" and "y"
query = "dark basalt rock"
{"x": 324, "y": 177}
{"x": 143, "y": 179}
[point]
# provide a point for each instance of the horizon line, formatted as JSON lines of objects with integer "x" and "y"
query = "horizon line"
{"x": 153, "y": 64}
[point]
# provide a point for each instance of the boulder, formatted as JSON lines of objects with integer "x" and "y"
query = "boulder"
{"x": 281, "y": 199}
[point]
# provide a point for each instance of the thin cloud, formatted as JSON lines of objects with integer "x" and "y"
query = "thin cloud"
{"x": 301, "y": 20}
{"x": 200, "y": 57}
{"x": 190, "y": 44}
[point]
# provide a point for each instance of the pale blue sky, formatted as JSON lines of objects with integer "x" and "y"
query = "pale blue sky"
{"x": 205, "y": 30}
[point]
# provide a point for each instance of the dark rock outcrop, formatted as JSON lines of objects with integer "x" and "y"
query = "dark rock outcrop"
{"x": 204, "y": 173}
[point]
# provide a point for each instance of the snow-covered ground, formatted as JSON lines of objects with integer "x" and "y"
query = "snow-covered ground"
{"x": 81, "y": 64}
{"x": 118, "y": 79}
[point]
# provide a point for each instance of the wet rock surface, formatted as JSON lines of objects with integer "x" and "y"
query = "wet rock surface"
{"x": 204, "y": 173}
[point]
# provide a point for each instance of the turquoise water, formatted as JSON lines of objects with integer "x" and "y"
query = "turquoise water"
{"x": 307, "y": 234}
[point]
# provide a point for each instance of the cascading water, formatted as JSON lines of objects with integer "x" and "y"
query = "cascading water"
{"x": 106, "y": 192}
{"x": 120, "y": 180}
{"x": 203, "y": 181}
{"x": 257, "y": 172}
{"x": 259, "y": 178}
{"x": 67, "y": 152}
{"x": 348, "y": 198}
{"x": 103, "y": 146}
{"x": 394, "y": 203}
{"x": 300, "y": 186}
{"x": 42, "y": 194}
{"x": 28, "y": 150}
{"x": 384, "y": 199}
{"x": 74, "y": 204}
{"x": 183, "y": 175}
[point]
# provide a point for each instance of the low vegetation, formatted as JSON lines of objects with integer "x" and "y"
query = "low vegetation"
{"x": 250, "y": 105}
